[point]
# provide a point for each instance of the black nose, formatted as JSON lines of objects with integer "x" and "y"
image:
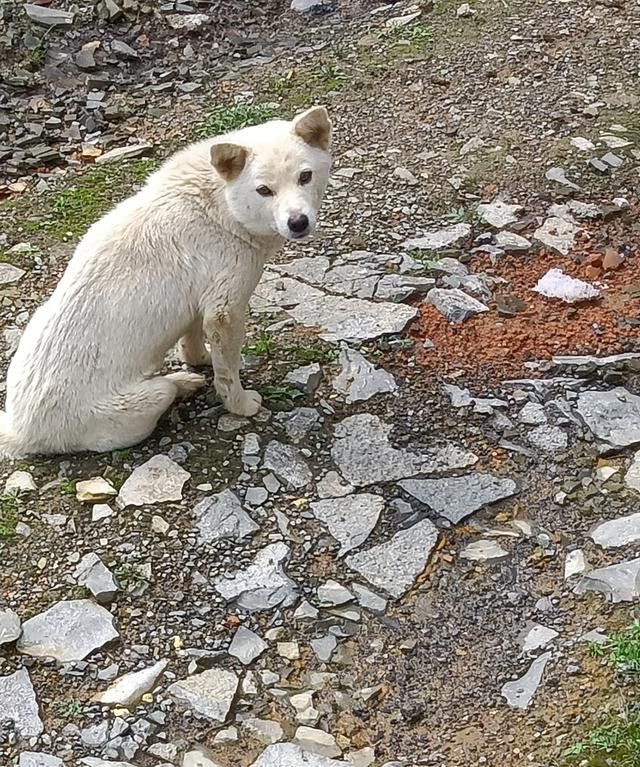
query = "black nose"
{"x": 298, "y": 224}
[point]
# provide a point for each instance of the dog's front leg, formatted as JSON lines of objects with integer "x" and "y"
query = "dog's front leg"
{"x": 225, "y": 331}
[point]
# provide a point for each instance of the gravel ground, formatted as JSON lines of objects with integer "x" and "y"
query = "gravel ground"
{"x": 471, "y": 478}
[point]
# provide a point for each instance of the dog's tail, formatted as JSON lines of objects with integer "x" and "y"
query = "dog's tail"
{"x": 9, "y": 445}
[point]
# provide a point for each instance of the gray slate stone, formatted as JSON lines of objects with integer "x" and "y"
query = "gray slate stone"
{"x": 363, "y": 453}
{"x": 18, "y": 704}
{"x": 298, "y": 422}
{"x": 209, "y": 694}
{"x": 484, "y": 551}
{"x": 351, "y": 519}
{"x": 457, "y": 497}
{"x": 499, "y": 213}
{"x": 263, "y": 585}
{"x": 395, "y": 564}
{"x": 352, "y": 319}
{"x": 10, "y": 273}
{"x": 613, "y": 416}
{"x": 68, "y": 631}
{"x": 399, "y": 287}
{"x": 444, "y": 238}
{"x": 276, "y": 292}
{"x": 548, "y": 437}
{"x": 533, "y": 414}
{"x": 287, "y": 464}
{"x": 39, "y": 759}
{"x": 49, "y": 17}
{"x": 455, "y": 304}
{"x": 359, "y": 380}
{"x": 618, "y": 583}
{"x": 94, "y": 575}
{"x": 519, "y": 694}
{"x": 557, "y": 235}
{"x": 512, "y": 243}
{"x": 10, "y": 628}
{"x": 617, "y": 532}
{"x": 159, "y": 480}
{"x": 292, "y": 755}
{"x": 306, "y": 378}
{"x": 246, "y": 645}
{"x": 222, "y": 516}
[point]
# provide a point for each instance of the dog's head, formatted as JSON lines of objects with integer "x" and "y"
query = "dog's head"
{"x": 275, "y": 174}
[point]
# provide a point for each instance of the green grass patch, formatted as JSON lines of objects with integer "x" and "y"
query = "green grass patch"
{"x": 283, "y": 395}
{"x": 622, "y": 651}
{"x": 311, "y": 353}
{"x": 67, "y": 212}
{"x": 67, "y": 486}
{"x": 67, "y": 709}
{"x": 229, "y": 118}
{"x": 8, "y": 516}
{"x": 428, "y": 259}
{"x": 614, "y": 742}
{"x": 264, "y": 345}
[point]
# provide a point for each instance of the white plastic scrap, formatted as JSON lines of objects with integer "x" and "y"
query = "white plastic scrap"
{"x": 556, "y": 284}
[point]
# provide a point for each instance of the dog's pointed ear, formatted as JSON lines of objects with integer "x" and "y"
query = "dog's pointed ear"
{"x": 314, "y": 127}
{"x": 229, "y": 160}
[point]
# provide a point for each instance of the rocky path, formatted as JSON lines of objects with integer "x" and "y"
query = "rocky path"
{"x": 406, "y": 557}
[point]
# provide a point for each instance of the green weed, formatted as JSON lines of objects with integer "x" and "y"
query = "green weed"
{"x": 229, "y": 118}
{"x": 67, "y": 709}
{"x": 8, "y": 516}
{"x": 622, "y": 650}
{"x": 280, "y": 394}
{"x": 616, "y": 742}
{"x": 311, "y": 353}
{"x": 67, "y": 486}
{"x": 264, "y": 345}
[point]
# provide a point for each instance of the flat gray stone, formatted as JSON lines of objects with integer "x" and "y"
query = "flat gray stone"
{"x": 265, "y": 730}
{"x": 447, "y": 237}
{"x": 292, "y": 755}
{"x": 333, "y": 486}
{"x": 350, "y": 519}
{"x": 456, "y": 497}
{"x": 519, "y": 694}
{"x": 324, "y": 647}
{"x": 222, "y": 516}
{"x": 512, "y": 243}
{"x": 557, "y": 235}
{"x": 311, "y": 269}
{"x": 68, "y": 631}
{"x": 613, "y": 416}
{"x": 549, "y": 438}
{"x": 298, "y": 422}
{"x": 18, "y": 704}
{"x": 39, "y": 759}
{"x": 617, "y": 532}
{"x": 331, "y": 594}
{"x": 560, "y": 177}
{"x": 395, "y": 564}
{"x": 533, "y": 414}
{"x": 363, "y": 453}
{"x": 455, "y": 304}
{"x": 93, "y": 574}
{"x": 359, "y": 380}
{"x": 498, "y": 213}
{"x": 484, "y": 551}
{"x": 287, "y": 464}
{"x": 368, "y": 599}
{"x": 263, "y": 585}
{"x": 306, "y": 379}
{"x": 209, "y": 693}
{"x": 536, "y": 637}
{"x": 10, "y": 628}
{"x": 618, "y": 583}
{"x": 353, "y": 319}
{"x": 588, "y": 363}
{"x": 246, "y": 645}
{"x": 358, "y": 280}
{"x": 49, "y": 17}
{"x": 632, "y": 476}
{"x": 400, "y": 287}
{"x": 19, "y": 483}
{"x": 10, "y": 273}
{"x": 159, "y": 480}
{"x": 120, "y": 153}
{"x": 276, "y": 292}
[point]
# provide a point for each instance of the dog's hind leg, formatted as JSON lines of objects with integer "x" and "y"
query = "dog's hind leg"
{"x": 192, "y": 348}
{"x": 131, "y": 415}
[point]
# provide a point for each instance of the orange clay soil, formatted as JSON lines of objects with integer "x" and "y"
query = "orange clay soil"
{"x": 496, "y": 346}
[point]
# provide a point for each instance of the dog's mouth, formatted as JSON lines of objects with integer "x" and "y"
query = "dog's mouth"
{"x": 298, "y": 235}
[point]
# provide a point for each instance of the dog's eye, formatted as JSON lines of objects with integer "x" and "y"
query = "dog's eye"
{"x": 305, "y": 177}
{"x": 264, "y": 191}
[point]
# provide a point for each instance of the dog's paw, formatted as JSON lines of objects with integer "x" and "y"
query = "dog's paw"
{"x": 187, "y": 383}
{"x": 248, "y": 403}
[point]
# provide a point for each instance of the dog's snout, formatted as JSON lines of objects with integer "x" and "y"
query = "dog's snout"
{"x": 298, "y": 224}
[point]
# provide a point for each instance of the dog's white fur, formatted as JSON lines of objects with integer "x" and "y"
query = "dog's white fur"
{"x": 177, "y": 261}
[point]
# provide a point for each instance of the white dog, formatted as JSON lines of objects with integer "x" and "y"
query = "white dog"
{"x": 177, "y": 261}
